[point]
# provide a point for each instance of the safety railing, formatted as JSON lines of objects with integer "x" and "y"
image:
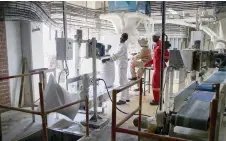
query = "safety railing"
{"x": 116, "y": 127}
{"x": 42, "y": 112}
{"x": 213, "y": 114}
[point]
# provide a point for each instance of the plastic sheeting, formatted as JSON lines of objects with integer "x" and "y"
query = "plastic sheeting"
{"x": 55, "y": 96}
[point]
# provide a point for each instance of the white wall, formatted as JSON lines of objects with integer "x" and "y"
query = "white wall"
{"x": 14, "y": 58}
{"x": 37, "y": 54}
{"x": 25, "y": 28}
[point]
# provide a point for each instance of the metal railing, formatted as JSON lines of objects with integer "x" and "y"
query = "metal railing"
{"x": 116, "y": 127}
{"x": 42, "y": 112}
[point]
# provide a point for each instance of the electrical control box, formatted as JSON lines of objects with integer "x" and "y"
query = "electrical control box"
{"x": 63, "y": 49}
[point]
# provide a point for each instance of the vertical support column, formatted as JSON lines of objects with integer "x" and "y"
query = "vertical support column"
{"x": 162, "y": 54}
{"x": 43, "y": 114}
{"x": 144, "y": 81}
{"x": 94, "y": 77}
{"x": 87, "y": 116}
{"x": 1, "y": 127}
{"x": 113, "y": 133}
{"x": 140, "y": 109}
{"x": 32, "y": 97}
{"x": 213, "y": 114}
{"x": 149, "y": 81}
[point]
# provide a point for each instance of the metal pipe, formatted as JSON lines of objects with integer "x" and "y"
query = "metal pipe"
{"x": 87, "y": 116}
{"x": 31, "y": 97}
{"x": 148, "y": 135}
{"x": 128, "y": 117}
{"x": 131, "y": 83}
{"x": 162, "y": 53}
{"x": 213, "y": 118}
{"x": 64, "y": 106}
{"x": 1, "y": 127}
{"x": 16, "y": 76}
{"x": 20, "y": 110}
{"x": 94, "y": 77}
{"x": 43, "y": 114}
{"x": 65, "y": 19}
{"x": 113, "y": 132}
{"x": 213, "y": 114}
{"x": 72, "y": 80}
{"x": 140, "y": 105}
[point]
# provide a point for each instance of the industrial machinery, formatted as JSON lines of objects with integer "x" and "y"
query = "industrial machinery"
{"x": 95, "y": 51}
{"x": 192, "y": 107}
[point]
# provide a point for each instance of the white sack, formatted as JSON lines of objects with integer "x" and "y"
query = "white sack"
{"x": 55, "y": 96}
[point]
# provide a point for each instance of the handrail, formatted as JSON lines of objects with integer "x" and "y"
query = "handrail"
{"x": 149, "y": 135}
{"x": 64, "y": 106}
{"x": 130, "y": 84}
{"x": 16, "y": 76}
{"x": 44, "y": 113}
{"x": 19, "y": 109}
{"x": 213, "y": 114}
{"x": 115, "y": 127}
{"x": 127, "y": 117}
{"x": 115, "y": 92}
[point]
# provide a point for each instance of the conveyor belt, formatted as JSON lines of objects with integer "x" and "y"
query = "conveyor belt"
{"x": 195, "y": 113}
{"x": 217, "y": 77}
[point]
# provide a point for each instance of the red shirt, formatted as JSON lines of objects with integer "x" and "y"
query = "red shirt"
{"x": 156, "y": 60}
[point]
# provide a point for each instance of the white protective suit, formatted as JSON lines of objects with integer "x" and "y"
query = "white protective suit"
{"x": 121, "y": 56}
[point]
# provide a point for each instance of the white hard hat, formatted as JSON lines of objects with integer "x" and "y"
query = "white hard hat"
{"x": 157, "y": 33}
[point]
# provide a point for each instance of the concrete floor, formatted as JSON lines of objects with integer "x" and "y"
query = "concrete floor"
{"x": 16, "y": 124}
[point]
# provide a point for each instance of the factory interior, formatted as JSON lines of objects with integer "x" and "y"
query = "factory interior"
{"x": 74, "y": 71}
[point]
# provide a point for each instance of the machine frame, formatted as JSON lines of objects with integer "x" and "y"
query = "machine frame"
{"x": 216, "y": 113}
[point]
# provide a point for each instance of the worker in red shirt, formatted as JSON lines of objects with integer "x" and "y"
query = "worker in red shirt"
{"x": 156, "y": 61}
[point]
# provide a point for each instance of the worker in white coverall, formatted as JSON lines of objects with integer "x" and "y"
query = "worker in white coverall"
{"x": 121, "y": 56}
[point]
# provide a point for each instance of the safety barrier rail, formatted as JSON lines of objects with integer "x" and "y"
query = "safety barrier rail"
{"x": 116, "y": 127}
{"x": 42, "y": 112}
{"x": 213, "y": 114}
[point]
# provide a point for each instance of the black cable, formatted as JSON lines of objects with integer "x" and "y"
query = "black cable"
{"x": 111, "y": 99}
